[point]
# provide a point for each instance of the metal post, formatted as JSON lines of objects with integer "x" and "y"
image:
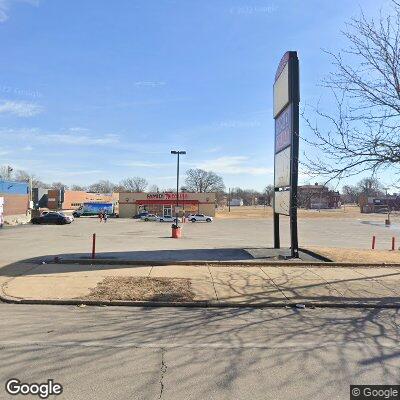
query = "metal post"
{"x": 294, "y": 84}
{"x": 277, "y": 243}
{"x": 229, "y": 200}
{"x": 177, "y": 192}
{"x": 178, "y": 153}
{"x": 94, "y": 246}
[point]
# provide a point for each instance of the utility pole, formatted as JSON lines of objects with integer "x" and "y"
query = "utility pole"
{"x": 9, "y": 170}
{"x": 178, "y": 153}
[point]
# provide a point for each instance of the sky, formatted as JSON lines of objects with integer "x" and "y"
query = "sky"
{"x": 94, "y": 90}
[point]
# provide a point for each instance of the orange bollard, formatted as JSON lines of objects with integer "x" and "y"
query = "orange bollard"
{"x": 373, "y": 242}
{"x": 176, "y": 233}
{"x": 393, "y": 243}
{"x": 94, "y": 246}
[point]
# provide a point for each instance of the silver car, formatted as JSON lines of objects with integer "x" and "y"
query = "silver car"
{"x": 166, "y": 219}
{"x": 149, "y": 217}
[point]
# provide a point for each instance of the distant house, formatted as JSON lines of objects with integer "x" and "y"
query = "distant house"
{"x": 236, "y": 202}
{"x": 317, "y": 197}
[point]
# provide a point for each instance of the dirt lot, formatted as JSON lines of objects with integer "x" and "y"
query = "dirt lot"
{"x": 142, "y": 289}
{"x": 266, "y": 212}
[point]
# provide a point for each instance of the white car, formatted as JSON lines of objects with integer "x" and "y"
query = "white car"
{"x": 166, "y": 219}
{"x": 199, "y": 218}
{"x": 69, "y": 217}
{"x": 149, "y": 217}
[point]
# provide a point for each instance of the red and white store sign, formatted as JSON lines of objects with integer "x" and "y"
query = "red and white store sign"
{"x": 166, "y": 196}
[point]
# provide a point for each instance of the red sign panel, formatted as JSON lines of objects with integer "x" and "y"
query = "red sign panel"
{"x": 282, "y": 63}
{"x": 283, "y": 129}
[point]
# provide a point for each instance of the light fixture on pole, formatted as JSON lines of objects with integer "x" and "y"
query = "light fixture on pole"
{"x": 178, "y": 153}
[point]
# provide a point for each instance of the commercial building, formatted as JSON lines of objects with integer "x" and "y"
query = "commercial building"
{"x": 73, "y": 199}
{"x": 14, "y": 201}
{"x": 165, "y": 203}
{"x": 382, "y": 204}
{"x": 317, "y": 197}
{"x": 236, "y": 202}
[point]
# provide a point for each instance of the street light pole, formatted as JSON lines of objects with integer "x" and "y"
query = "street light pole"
{"x": 178, "y": 153}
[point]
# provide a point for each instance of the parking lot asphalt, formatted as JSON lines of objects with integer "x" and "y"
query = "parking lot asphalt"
{"x": 219, "y": 240}
{"x": 180, "y": 354}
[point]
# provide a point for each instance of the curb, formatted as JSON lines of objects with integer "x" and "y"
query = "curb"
{"x": 105, "y": 261}
{"x": 192, "y": 304}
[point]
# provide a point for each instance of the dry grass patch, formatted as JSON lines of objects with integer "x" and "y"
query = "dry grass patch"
{"x": 142, "y": 289}
{"x": 348, "y": 211}
{"x": 357, "y": 255}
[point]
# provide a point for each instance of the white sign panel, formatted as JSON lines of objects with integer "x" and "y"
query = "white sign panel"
{"x": 282, "y": 202}
{"x": 1, "y": 205}
{"x": 282, "y": 168}
{"x": 281, "y": 91}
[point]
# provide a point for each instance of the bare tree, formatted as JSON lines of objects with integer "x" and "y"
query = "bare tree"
{"x": 102, "y": 186}
{"x": 363, "y": 133}
{"x": 21, "y": 175}
{"x": 59, "y": 186}
{"x": 370, "y": 187}
{"x": 198, "y": 180}
{"x": 269, "y": 194}
{"x": 119, "y": 189}
{"x": 6, "y": 172}
{"x": 134, "y": 184}
{"x": 154, "y": 188}
{"x": 78, "y": 188}
{"x": 350, "y": 194}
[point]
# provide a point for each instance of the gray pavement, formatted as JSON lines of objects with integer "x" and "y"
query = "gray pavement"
{"x": 220, "y": 240}
{"x": 124, "y": 353}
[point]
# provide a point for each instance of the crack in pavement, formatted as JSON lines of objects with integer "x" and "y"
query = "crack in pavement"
{"x": 163, "y": 370}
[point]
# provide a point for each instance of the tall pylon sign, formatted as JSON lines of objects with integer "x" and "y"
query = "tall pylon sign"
{"x": 286, "y": 116}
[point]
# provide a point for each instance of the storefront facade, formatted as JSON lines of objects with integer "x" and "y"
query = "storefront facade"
{"x": 164, "y": 204}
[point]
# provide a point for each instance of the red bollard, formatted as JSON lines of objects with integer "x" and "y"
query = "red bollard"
{"x": 393, "y": 242}
{"x": 94, "y": 246}
{"x": 373, "y": 242}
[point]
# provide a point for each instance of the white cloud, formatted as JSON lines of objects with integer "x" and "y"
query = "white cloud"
{"x": 213, "y": 149}
{"x": 5, "y": 6}
{"x": 20, "y": 108}
{"x": 233, "y": 165}
{"x": 68, "y": 137}
{"x": 59, "y": 173}
{"x": 84, "y": 140}
{"x": 144, "y": 164}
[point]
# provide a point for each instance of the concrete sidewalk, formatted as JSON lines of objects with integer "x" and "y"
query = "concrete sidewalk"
{"x": 215, "y": 285}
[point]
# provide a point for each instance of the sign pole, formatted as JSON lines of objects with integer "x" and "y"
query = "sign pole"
{"x": 286, "y": 115}
{"x": 294, "y": 89}
{"x": 277, "y": 244}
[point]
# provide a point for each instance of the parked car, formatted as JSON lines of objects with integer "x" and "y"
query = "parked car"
{"x": 140, "y": 215}
{"x": 70, "y": 217}
{"x": 149, "y": 217}
{"x": 199, "y": 218}
{"x": 51, "y": 218}
{"x": 166, "y": 219}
